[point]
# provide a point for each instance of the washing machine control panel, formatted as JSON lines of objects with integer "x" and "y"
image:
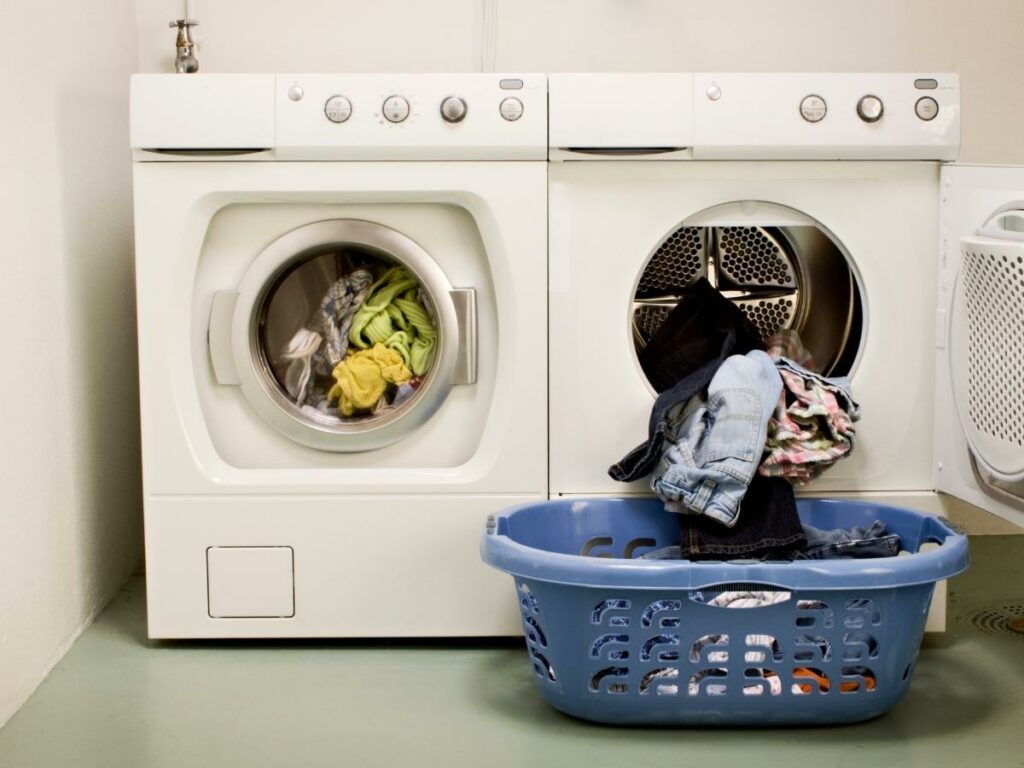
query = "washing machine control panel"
{"x": 477, "y": 116}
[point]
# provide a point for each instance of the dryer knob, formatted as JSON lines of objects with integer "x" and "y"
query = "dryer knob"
{"x": 453, "y": 109}
{"x": 870, "y": 109}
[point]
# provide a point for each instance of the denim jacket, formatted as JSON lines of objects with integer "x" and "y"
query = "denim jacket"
{"x": 714, "y": 444}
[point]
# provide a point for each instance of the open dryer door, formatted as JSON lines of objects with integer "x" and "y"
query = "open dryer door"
{"x": 980, "y": 339}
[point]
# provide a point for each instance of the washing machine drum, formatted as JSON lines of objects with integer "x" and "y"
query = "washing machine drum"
{"x": 780, "y": 277}
{"x": 344, "y": 335}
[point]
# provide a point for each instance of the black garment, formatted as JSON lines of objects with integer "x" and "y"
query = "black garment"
{"x": 694, "y": 333}
{"x": 701, "y": 331}
{"x": 768, "y": 525}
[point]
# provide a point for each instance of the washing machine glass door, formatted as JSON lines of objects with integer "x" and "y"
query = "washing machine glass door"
{"x": 345, "y": 335}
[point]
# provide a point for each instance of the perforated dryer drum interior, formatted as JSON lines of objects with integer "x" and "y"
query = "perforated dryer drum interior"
{"x": 781, "y": 275}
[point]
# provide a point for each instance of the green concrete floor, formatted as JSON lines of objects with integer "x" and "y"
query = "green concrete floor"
{"x": 118, "y": 699}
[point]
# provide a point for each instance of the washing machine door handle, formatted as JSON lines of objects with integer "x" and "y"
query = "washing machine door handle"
{"x": 222, "y": 355}
{"x": 464, "y": 302}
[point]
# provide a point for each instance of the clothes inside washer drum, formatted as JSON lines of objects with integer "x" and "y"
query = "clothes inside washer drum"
{"x": 316, "y": 349}
{"x": 362, "y": 378}
{"x": 392, "y": 315}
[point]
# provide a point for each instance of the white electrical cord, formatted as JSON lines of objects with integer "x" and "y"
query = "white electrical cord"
{"x": 488, "y": 35}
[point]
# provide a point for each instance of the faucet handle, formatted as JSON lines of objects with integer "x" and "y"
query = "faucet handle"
{"x": 185, "y": 62}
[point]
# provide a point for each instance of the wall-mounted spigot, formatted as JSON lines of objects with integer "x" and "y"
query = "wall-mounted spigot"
{"x": 185, "y": 62}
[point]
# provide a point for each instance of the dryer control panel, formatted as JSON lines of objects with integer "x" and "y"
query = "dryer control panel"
{"x": 754, "y": 116}
{"x": 826, "y": 116}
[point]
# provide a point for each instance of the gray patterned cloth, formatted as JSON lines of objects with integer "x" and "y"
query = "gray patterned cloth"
{"x": 309, "y": 359}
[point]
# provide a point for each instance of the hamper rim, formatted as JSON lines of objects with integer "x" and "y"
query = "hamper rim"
{"x": 948, "y": 559}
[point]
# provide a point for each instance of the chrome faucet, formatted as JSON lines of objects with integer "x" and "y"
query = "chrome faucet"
{"x": 185, "y": 62}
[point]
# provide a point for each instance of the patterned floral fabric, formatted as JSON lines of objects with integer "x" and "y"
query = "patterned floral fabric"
{"x": 812, "y": 427}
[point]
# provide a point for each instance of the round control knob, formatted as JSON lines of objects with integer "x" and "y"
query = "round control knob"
{"x": 926, "y": 108}
{"x": 511, "y": 108}
{"x": 813, "y": 108}
{"x": 396, "y": 109}
{"x": 714, "y": 92}
{"x": 338, "y": 109}
{"x": 295, "y": 92}
{"x": 453, "y": 109}
{"x": 870, "y": 109}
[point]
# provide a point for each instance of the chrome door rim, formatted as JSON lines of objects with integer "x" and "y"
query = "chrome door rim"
{"x": 258, "y": 383}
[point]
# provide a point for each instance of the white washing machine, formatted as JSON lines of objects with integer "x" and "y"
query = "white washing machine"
{"x": 269, "y": 515}
{"x": 815, "y": 202}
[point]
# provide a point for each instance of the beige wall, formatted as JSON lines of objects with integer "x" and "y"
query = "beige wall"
{"x": 980, "y": 39}
{"x": 69, "y": 478}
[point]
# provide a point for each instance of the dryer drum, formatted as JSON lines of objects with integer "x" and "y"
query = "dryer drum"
{"x": 792, "y": 277}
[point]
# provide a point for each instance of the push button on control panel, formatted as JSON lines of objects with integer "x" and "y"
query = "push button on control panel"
{"x": 338, "y": 109}
{"x": 926, "y": 108}
{"x": 813, "y": 108}
{"x": 511, "y": 108}
{"x": 396, "y": 109}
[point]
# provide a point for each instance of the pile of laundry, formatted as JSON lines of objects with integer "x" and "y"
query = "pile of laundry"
{"x": 365, "y": 349}
{"x": 737, "y": 423}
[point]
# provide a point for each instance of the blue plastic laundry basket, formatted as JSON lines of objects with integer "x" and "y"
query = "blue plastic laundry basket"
{"x": 626, "y": 641}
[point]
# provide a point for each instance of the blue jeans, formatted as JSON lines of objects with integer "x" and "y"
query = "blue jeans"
{"x": 873, "y": 541}
{"x": 714, "y": 444}
{"x": 695, "y": 339}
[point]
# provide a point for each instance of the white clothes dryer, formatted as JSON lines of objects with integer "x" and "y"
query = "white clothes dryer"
{"x": 271, "y": 511}
{"x": 812, "y": 201}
